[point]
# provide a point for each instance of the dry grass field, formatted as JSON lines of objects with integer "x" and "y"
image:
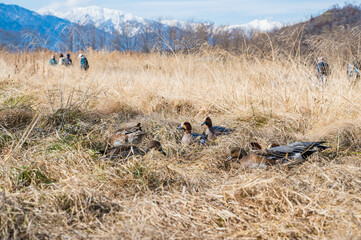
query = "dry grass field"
{"x": 54, "y": 121}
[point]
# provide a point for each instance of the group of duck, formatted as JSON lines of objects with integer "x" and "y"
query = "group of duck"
{"x": 125, "y": 140}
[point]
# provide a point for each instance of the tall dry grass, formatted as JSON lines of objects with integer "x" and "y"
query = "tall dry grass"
{"x": 54, "y": 120}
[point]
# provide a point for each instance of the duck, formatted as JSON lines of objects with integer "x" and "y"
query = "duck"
{"x": 189, "y": 137}
{"x": 131, "y": 135}
{"x": 296, "y": 151}
{"x": 156, "y": 145}
{"x": 213, "y": 131}
{"x": 125, "y": 151}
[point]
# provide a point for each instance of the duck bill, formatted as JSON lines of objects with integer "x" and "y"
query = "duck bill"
{"x": 203, "y": 123}
{"x": 180, "y": 127}
{"x": 229, "y": 159}
{"x": 162, "y": 151}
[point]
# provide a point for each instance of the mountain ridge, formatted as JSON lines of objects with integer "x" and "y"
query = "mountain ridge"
{"x": 110, "y": 19}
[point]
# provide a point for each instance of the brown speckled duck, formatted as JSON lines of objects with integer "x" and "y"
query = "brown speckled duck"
{"x": 131, "y": 135}
{"x": 244, "y": 160}
{"x": 153, "y": 144}
{"x": 125, "y": 151}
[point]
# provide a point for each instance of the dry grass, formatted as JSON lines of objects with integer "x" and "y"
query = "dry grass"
{"x": 54, "y": 120}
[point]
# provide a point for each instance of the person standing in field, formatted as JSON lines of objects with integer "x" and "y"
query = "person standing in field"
{"x": 357, "y": 67}
{"x": 83, "y": 62}
{"x": 353, "y": 70}
{"x": 53, "y": 61}
{"x": 61, "y": 59}
{"x": 323, "y": 70}
{"x": 68, "y": 61}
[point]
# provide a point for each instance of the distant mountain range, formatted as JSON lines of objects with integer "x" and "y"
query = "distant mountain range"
{"x": 105, "y": 19}
{"x": 101, "y": 28}
{"x": 110, "y": 20}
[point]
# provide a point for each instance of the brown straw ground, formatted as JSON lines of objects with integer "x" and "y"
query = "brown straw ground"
{"x": 54, "y": 120}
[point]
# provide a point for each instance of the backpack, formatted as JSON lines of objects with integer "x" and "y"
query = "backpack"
{"x": 84, "y": 64}
{"x": 68, "y": 62}
{"x": 323, "y": 68}
{"x": 357, "y": 65}
{"x": 52, "y": 62}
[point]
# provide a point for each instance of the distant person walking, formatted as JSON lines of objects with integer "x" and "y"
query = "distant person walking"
{"x": 68, "y": 61}
{"x": 323, "y": 70}
{"x": 354, "y": 70}
{"x": 61, "y": 59}
{"x": 356, "y": 67}
{"x": 53, "y": 61}
{"x": 83, "y": 62}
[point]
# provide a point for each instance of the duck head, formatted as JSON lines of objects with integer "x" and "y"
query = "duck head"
{"x": 237, "y": 153}
{"x": 207, "y": 122}
{"x": 186, "y": 126}
{"x": 255, "y": 146}
{"x": 155, "y": 145}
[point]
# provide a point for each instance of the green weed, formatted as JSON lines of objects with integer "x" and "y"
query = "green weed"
{"x": 26, "y": 176}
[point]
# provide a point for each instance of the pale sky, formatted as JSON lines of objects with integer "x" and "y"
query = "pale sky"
{"x": 217, "y": 11}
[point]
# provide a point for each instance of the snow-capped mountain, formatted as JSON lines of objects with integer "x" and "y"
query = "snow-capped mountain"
{"x": 110, "y": 20}
{"x": 103, "y": 18}
{"x": 258, "y": 25}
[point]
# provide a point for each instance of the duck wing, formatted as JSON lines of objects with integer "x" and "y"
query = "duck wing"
{"x": 280, "y": 153}
{"x": 200, "y": 138}
{"x": 297, "y": 150}
{"x": 307, "y": 148}
{"x": 222, "y": 130}
{"x": 135, "y": 137}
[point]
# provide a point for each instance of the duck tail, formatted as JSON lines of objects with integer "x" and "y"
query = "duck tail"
{"x": 102, "y": 152}
{"x": 322, "y": 147}
{"x": 204, "y": 138}
{"x": 319, "y": 145}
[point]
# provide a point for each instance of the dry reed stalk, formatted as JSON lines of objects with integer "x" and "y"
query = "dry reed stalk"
{"x": 54, "y": 187}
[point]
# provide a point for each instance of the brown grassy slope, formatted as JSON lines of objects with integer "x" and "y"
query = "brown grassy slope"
{"x": 54, "y": 120}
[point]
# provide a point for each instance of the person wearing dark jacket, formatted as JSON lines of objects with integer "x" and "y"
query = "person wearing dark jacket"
{"x": 323, "y": 70}
{"x": 68, "y": 61}
{"x": 357, "y": 67}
